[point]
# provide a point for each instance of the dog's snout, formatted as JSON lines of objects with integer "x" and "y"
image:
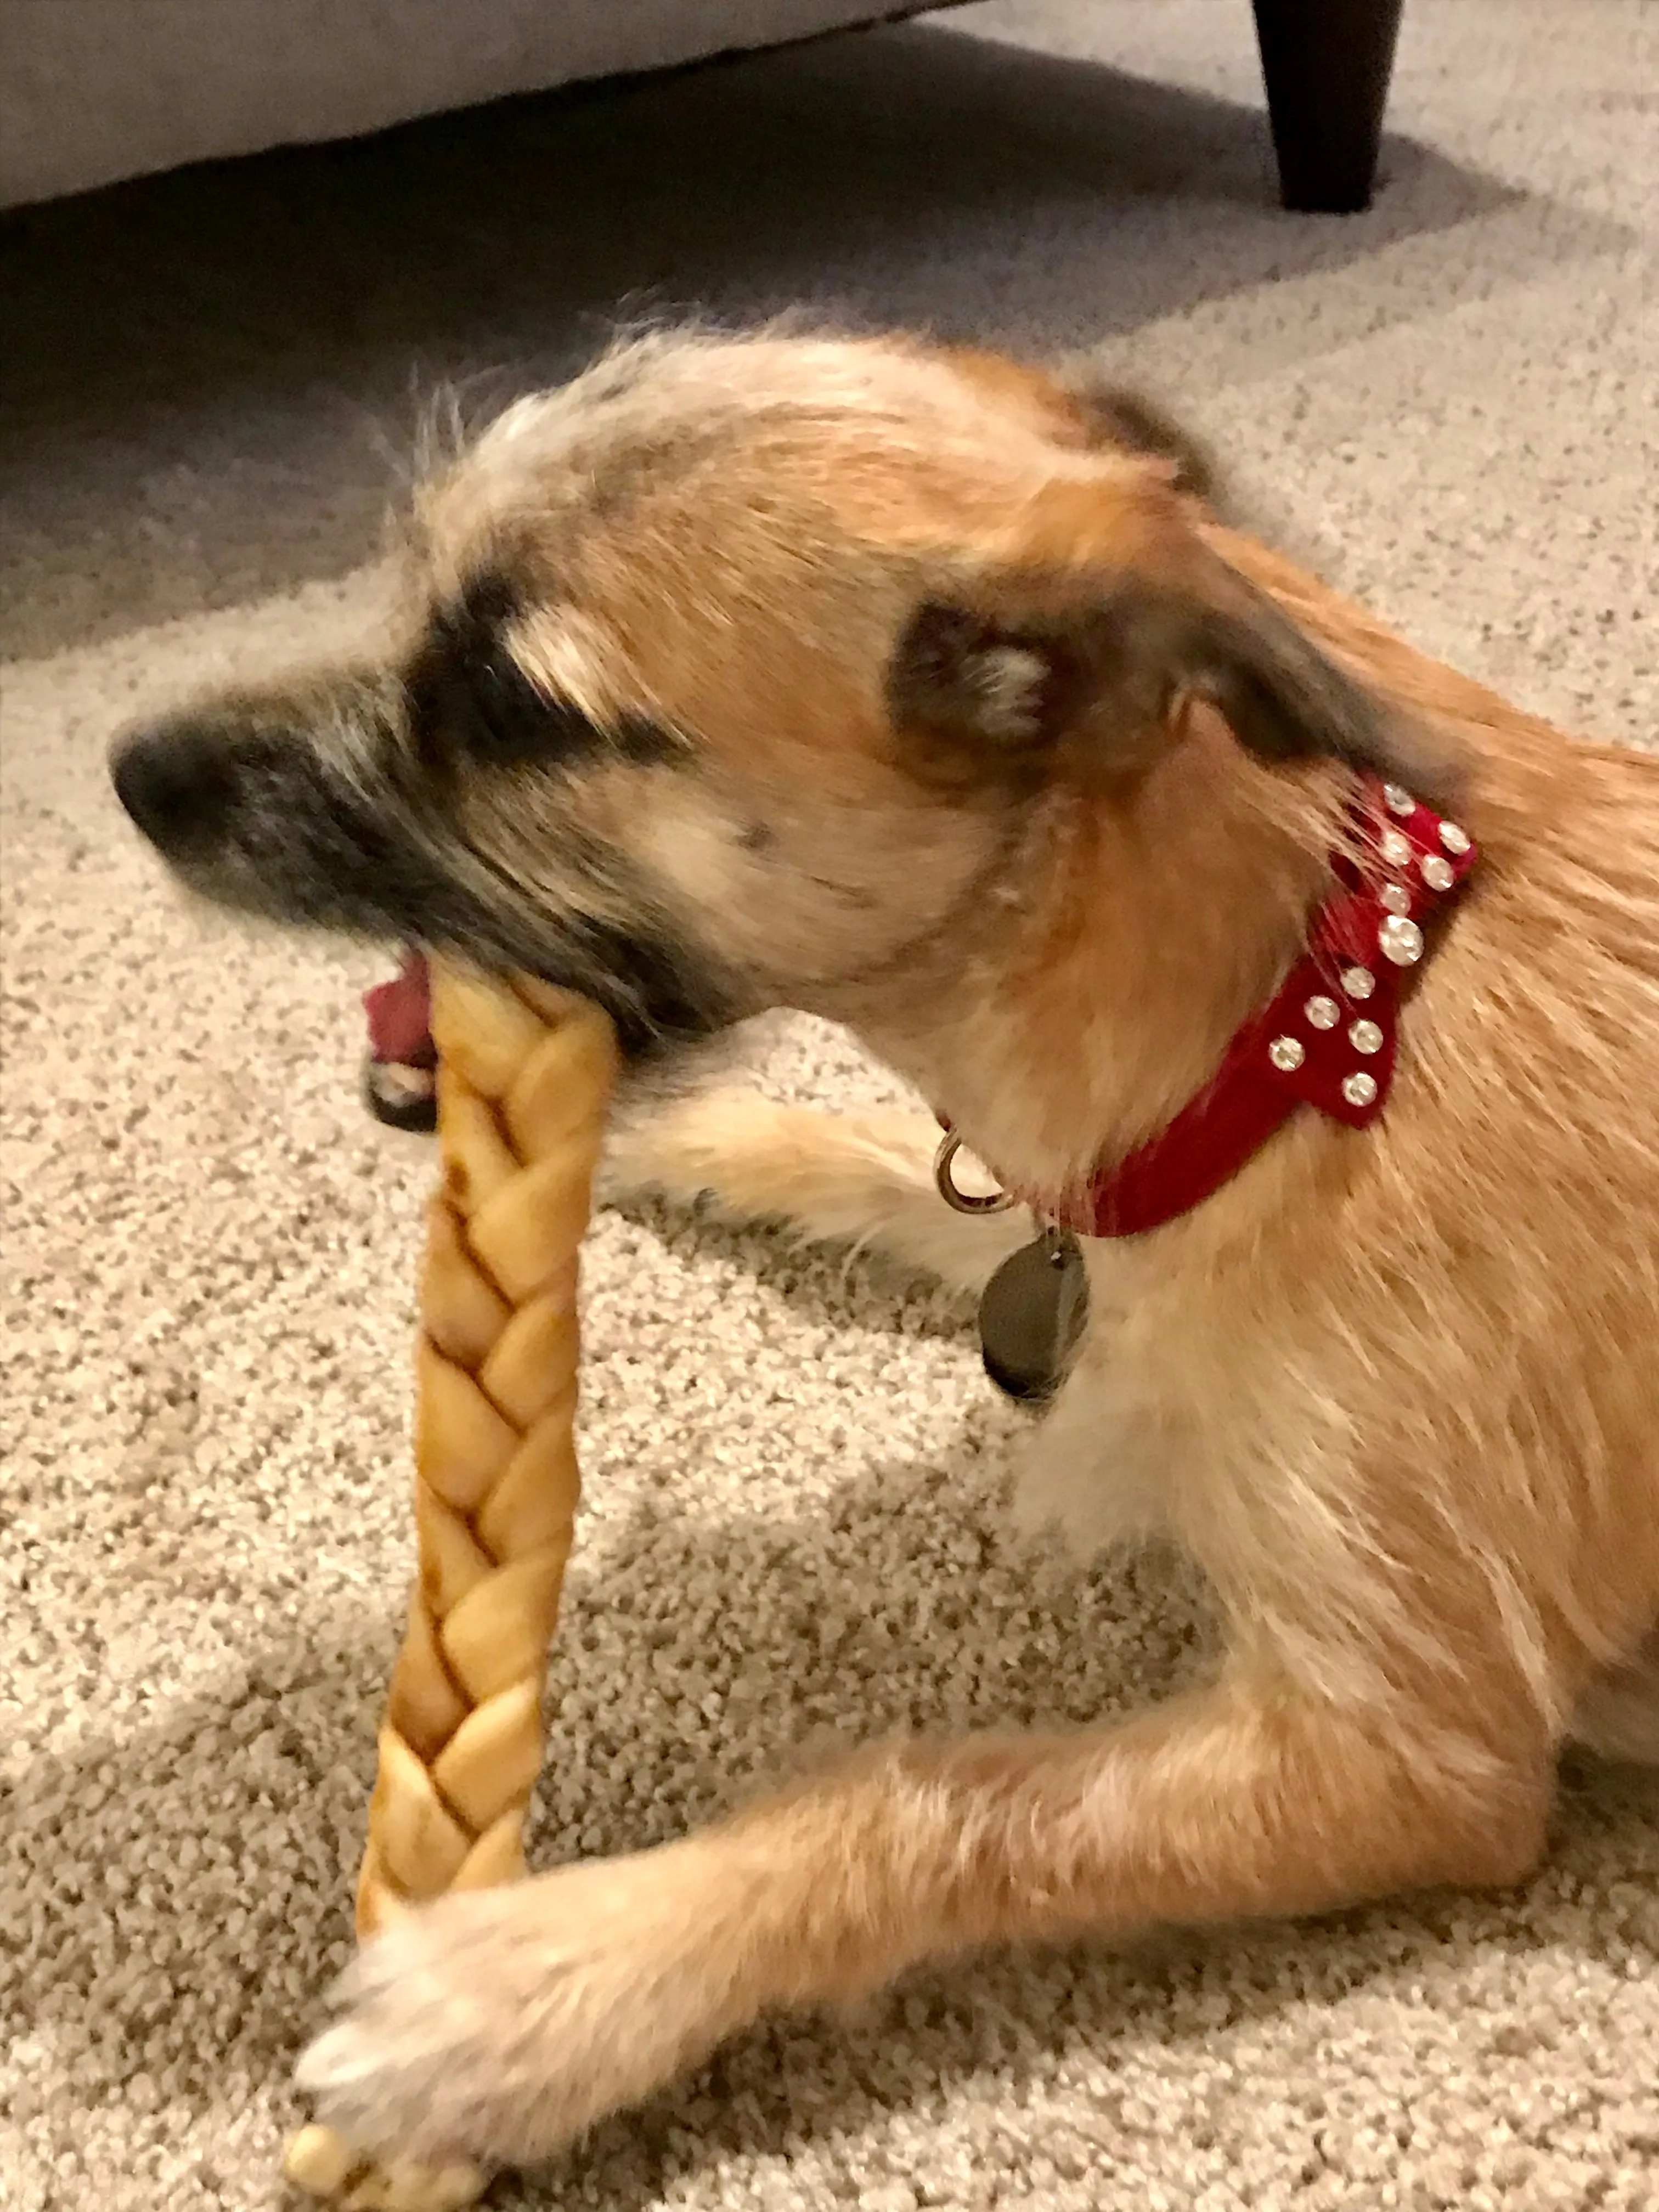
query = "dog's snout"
{"x": 175, "y": 783}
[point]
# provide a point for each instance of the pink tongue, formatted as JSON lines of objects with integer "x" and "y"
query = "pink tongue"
{"x": 400, "y": 1017}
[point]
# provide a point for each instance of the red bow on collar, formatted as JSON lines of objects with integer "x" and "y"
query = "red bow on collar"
{"x": 1327, "y": 1039}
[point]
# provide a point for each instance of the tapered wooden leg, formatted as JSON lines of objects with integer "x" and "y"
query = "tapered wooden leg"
{"x": 1327, "y": 64}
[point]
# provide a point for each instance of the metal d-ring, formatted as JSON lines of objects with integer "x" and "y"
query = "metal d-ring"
{"x": 963, "y": 1201}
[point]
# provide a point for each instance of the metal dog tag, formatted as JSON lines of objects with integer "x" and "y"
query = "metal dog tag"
{"x": 1031, "y": 1314}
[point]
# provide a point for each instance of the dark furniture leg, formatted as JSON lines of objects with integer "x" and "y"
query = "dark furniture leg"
{"x": 1327, "y": 65}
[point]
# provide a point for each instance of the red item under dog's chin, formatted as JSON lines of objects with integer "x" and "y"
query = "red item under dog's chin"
{"x": 400, "y": 1017}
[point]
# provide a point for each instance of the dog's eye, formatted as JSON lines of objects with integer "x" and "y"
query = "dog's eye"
{"x": 468, "y": 699}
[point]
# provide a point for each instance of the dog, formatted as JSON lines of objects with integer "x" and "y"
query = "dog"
{"x": 929, "y": 693}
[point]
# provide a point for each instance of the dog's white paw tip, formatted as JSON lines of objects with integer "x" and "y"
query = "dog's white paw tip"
{"x": 370, "y": 1972}
{"x": 336, "y": 2059}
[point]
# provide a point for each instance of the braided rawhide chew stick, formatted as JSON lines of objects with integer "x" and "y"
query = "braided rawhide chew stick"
{"x": 524, "y": 1081}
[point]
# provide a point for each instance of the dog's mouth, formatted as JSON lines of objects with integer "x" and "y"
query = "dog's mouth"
{"x": 250, "y": 823}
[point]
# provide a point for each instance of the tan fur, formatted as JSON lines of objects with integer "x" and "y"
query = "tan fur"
{"x": 1393, "y": 1390}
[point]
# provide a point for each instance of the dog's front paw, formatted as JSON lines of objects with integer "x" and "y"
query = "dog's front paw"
{"x": 497, "y": 2026}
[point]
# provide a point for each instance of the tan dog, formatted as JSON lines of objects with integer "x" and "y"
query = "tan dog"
{"x": 890, "y": 684}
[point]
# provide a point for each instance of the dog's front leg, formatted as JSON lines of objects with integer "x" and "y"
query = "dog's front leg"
{"x": 500, "y": 2025}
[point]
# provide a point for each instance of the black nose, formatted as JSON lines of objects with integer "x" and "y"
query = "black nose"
{"x": 176, "y": 784}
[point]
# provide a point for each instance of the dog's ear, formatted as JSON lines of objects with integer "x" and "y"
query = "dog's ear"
{"x": 1003, "y": 677}
{"x": 1116, "y": 415}
{"x": 1088, "y": 408}
{"x": 959, "y": 675}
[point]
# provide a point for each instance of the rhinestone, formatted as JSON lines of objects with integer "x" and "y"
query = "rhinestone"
{"x": 1453, "y": 839}
{"x": 1366, "y": 1037}
{"x": 1401, "y": 941}
{"x": 1359, "y": 1089}
{"x": 1323, "y": 1013}
{"x": 1287, "y": 1054}
{"x": 1396, "y": 898}
{"x": 1399, "y": 800}
{"x": 1439, "y": 875}
{"x": 1395, "y": 848}
{"x": 1359, "y": 982}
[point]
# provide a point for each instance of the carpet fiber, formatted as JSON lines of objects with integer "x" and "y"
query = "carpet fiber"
{"x": 793, "y": 1467}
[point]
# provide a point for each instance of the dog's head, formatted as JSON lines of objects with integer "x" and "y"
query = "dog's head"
{"x": 738, "y": 673}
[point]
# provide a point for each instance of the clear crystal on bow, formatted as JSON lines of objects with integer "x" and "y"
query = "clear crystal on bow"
{"x": 1400, "y": 941}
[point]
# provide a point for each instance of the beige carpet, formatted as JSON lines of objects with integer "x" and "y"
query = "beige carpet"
{"x": 793, "y": 1469}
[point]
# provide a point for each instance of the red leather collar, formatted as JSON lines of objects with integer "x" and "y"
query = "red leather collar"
{"x": 1327, "y": 1039}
